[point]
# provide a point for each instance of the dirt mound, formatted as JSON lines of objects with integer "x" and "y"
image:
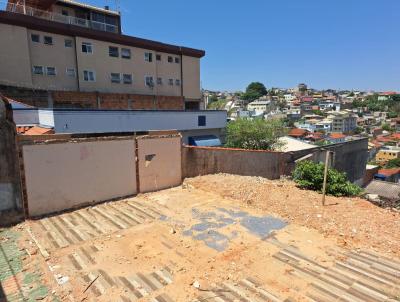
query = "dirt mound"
{"x": 354, "y": 222}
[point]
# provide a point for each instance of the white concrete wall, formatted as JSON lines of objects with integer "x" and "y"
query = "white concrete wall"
{"x": 65, "y": 175}
{"x": 46, "y": 118}
{"x": 128, "y": 121}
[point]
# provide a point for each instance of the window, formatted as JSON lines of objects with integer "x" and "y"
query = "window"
{"x": 171, "y": 82}
{"x": 48, "y": 40}
{"x": 64, "y": 12}
{"x": 149, "y": 81}
{"x": 170, "y": 59}
{"x": 68, "y": 43}
{"x": 178, "y": 82}
{"x": 201, "y": 120}
{"x": 115, "y": 78}
{"x": 125, "y": 53}
{"x": 38, "y": 69}
{"x": 177, "y": 60}
{"x": 148, "y": 57}
{"x": 87, "y": 47}
{"x": 51, "y": 71}
{"x": 70, "y": 72}
{"x": 113, "y": 51}
{"x": 158, "y": 57}
{"x": 89, "y": 76}
{"x": 159, "y": 81}
{"x": 35, "y": 38}
{"x": 127, "y": 78}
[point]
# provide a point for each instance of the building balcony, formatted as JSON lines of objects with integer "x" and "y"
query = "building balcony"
{"x": 56, "y": 17}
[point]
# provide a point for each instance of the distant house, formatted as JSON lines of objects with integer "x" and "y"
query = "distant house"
{"x": 384, "y": 155}
{"x": 298, "y": 133}
{"x": 390, "y": 175}
{"x": 336, "y": 138}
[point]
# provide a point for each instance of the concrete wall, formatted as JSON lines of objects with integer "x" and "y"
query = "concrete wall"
{"x": 159, "y": 163}
{"x": 15, "y": 66}
{"x": 349, "y": 157}
{"x": 128, "y": 121}
{"x": 10, "y": 193}
{"x": 202, "y": 161}
{"x": 61, "y": 176}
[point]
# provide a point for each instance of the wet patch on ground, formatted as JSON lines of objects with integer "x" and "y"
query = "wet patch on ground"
{"x": 211, "y": 228}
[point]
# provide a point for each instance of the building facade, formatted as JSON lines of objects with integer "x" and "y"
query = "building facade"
{"x": 344, "y": 122}
{"x": 64, "y": 46}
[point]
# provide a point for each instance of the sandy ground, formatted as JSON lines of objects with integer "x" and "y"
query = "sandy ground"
{"x": 353, "y": 222}
{"x": 219, "y": 238}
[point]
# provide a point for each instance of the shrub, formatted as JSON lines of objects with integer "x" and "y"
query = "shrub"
{"x": 310, "y": 175}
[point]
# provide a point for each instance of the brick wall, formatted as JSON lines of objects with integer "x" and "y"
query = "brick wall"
{"x": 92, "y": 100}
{"x": 63, "y": 99}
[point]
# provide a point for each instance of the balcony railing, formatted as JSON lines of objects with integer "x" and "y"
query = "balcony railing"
{"x": 34, "y": 12}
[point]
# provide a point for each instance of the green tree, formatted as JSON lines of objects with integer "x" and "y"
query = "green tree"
{"x": 254, "y": 91}
{"x": 387, "y": 127}
{"x": 358, "y": 130}
{"x": 309, "y": 175}
{"x": 393, "y": 163}
{"x": 212, "y": 98}
{"x": 257, "y": 134}
{"x": 218, "y": 105}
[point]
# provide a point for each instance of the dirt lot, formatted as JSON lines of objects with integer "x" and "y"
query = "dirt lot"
{"x": 353, "y": 222}
{"x": 218, "y": 238}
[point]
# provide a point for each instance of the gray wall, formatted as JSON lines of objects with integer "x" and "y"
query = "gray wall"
{"x": 349, "y": 157}
{"x": 10, "y": 194}
{"x": 202, "y": 161}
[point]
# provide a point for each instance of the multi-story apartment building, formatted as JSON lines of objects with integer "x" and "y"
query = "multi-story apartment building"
{"x": 343, "y": 122}
{"x": 77, "y": 53}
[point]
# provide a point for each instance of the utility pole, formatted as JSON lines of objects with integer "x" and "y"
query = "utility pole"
{"x": 325, "y": 176}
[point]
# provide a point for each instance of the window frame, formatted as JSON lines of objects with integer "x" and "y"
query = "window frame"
{"x": 158, "y": 57}
{"x": 70, "y": 75}
{"x": 35, "y": 35}
{"x": 68, "y": 45}
{"x": 148, "y": 57}
{"x": 159, "y": 81}
{"x": 47, "y": 42}
{"x": 128, "y": 50}
{"x": 146, "y": 83}
{"x": 170, "y": 59}
{"x": 40, "y": 67}
{"x": 51, "y": 74}
{"x": 113, "y": 51}
{"x": 88, "y": 73}
{"x": 124, "y": 81}
{"x": 177, "y": 60}
{"x": 114, "y": 79}
{"x": 171, "y": 82}
{"x": 177, "y": 82}
{"x": 87, "y": 45}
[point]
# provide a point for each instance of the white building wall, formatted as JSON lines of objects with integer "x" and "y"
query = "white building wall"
{"x": 128, "y": 121}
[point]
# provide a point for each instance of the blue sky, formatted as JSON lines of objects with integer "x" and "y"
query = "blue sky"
{"x": 325, "y": 43}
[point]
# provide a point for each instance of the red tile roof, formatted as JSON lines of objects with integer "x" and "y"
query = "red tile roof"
{"x": 337, "y": 135}
{"x": 296, "y": 132}
{"x": 36, "y": 130}
{"x": 389, "y": 172}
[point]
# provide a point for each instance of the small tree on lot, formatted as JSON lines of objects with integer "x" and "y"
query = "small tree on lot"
{"x": 309, "y": 175}
{"x": 257, "y": 134}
